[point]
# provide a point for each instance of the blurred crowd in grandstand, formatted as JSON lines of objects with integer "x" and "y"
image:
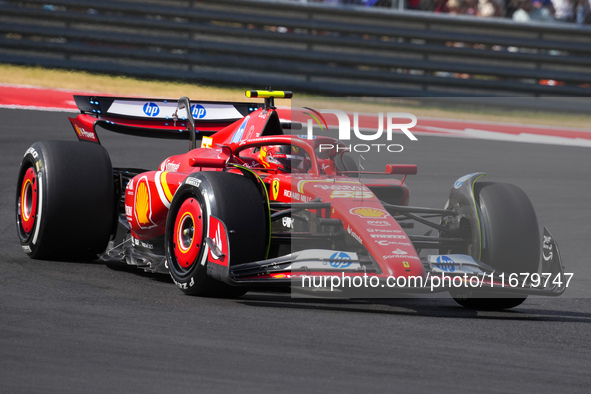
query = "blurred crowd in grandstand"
{"x": 569, "y": 11}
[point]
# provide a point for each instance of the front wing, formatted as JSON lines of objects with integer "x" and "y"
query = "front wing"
{"x": 453, "y": 273}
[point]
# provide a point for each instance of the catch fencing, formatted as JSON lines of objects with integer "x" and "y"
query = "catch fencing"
{"x": 300, "y": 46}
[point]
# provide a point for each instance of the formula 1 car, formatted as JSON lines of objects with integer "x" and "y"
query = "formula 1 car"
{"x": 255, "y": 205}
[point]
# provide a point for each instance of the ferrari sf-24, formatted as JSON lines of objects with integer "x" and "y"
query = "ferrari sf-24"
{"x": 255, "y": 204}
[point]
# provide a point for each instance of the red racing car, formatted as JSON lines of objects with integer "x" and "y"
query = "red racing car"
{"x": 257, "y": 205}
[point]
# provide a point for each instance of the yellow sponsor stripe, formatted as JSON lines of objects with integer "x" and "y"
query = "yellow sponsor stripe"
{"x": 167, "y": 192}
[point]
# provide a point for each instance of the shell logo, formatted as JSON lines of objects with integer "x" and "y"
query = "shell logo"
{"x": 369, "y": 212}
{"x": 143, "y": 209}
{"x": 142, "y": 204}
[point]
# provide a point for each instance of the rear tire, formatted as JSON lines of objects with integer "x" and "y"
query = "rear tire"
{"x": 237, "y": 202}
{"x": 65, "y": 203}
{"x": 510, "y": 239}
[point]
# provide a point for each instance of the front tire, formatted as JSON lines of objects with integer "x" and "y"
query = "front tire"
{"x": 510, "y": 239}
{"x": 237, "y": 202}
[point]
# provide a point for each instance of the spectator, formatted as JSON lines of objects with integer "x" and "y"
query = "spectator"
{"x": 542, "y": 11}
{"x": 437, "y": 6}
{"x": 536, "y": 10}
{"x": 578, "y": 11}
{"x": 461, "y": 7}
{"x": 415, "y": 5}
{"x": 490, "y": 8}
{"x": 564, "y": 10}
{"x": 583, "y": 13}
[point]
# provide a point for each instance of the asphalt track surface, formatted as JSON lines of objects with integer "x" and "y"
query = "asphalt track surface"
{"x": 88, "y": 327}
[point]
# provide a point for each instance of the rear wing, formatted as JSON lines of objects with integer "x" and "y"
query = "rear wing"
{"x": 154, "y": 118}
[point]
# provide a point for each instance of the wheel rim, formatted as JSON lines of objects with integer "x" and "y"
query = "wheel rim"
{"x": 27, "y": 201}
{"x": 188, "y": 233}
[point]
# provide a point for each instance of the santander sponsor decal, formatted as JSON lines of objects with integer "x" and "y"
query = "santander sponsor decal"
{"x": 172, "y": 167}
{"x": 397, "y": 256}
{"x": 84, "y": 134}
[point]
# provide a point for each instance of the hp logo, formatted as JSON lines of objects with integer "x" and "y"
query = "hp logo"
{"x": 345, "y": 260}
{"x": 151, "y": 109}
{"x": 446, "y": 264}
{"x": 198, "y": 111}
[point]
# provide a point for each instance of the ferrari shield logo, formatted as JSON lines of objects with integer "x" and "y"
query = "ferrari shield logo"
{"x": 275, "y": 188}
